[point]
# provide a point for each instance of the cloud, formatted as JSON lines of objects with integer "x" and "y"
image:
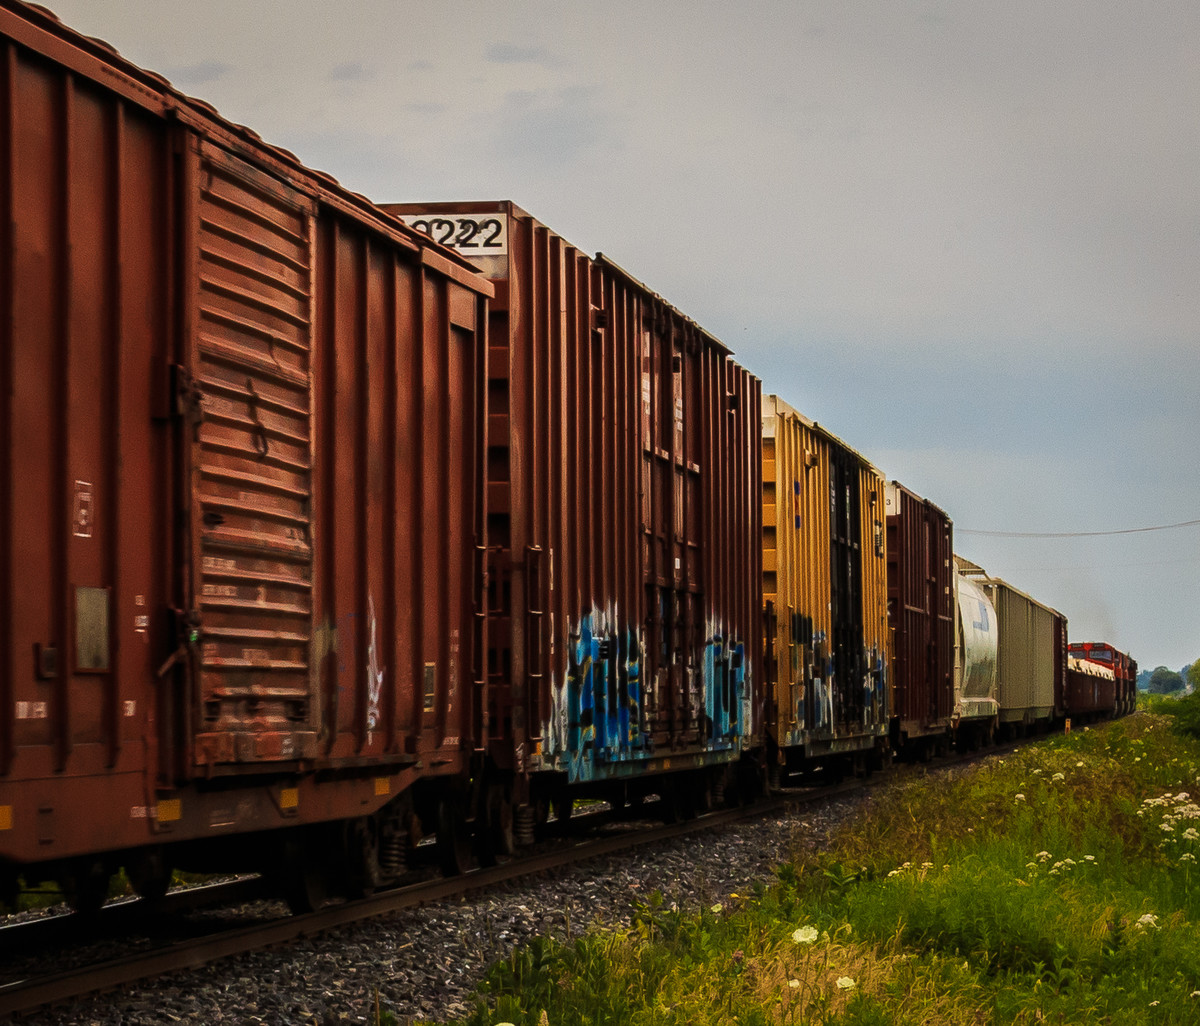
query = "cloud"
{"x": 351, "y": 71}
{"x": 191, "y": 76}
{"x": 560, "y": 126}
{"x": 512, "y": 53}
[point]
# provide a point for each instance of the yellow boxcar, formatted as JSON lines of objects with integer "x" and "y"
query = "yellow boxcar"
{"x": 827, "y": 645}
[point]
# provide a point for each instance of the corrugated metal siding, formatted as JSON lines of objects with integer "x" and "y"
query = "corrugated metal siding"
{"x": 619, "y": 471}
{"x": 1090, "y": 688}
{"x": 83, "y": 296}
{"x": 1029, "y": 661}
{"x": 251, "y": 462}
{"x": 177, "y": 596}
{"x": 824, "y": 574}
{"x": 920, "y": 611}
{"x": 398, "y": 409}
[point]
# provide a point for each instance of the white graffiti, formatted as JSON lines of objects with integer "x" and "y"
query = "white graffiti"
{"x": 374, "y": 675}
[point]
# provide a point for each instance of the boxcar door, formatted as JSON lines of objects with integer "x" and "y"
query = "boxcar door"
{"x": 249, "y": 238}
{"x": 846, "y": 589}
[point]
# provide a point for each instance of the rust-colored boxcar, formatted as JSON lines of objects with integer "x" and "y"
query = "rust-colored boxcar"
{"x": 920, "y": 576}
{"x": 1091, "y": 691}
{"x": 241, "y": 470}
{"x": 622, "y": 466}
{"x": 825, "y": 595}
{"x": 1124, "y": 668}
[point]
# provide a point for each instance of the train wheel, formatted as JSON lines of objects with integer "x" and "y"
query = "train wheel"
{"x": 453, "y": 837}
{"x": 564, "y": 805}
{"x": 300, "y": 873}
{"x": 362, "y": 856}
{"x": 149, "y": 874}
{"x": 304, "y": 890}
{"x": 668, "y": 802}
{"x": 86, "y": 886}
{"x": 497, "y": 837}
{"x": 688, "y": 795}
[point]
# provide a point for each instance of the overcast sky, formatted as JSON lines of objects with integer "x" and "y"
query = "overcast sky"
{"x": 964, "y": 236}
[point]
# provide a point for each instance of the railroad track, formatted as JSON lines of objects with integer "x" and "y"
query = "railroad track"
{"x": 34, "y": 992}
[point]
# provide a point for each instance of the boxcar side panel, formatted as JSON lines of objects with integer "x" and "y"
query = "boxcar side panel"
{"x": 83, "y": 189}
{"x": 204, "y": 484}
{"x": 825, "y": 579}
{"x": 1030, "y": 664}
{"x": 920, "y": 597}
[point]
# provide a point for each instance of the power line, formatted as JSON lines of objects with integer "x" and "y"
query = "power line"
{"x": 1104, "y": 566}
{"x": 1075, "y": 534}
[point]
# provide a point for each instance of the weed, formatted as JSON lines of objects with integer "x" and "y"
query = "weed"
{"x": 1056, "y": 883}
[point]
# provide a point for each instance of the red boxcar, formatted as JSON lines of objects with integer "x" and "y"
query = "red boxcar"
{"x": 241, "y": 471}
{"x": 622, "y": 470}
{"x": 1090, "y": 692}
{"x": 1124, "y": 668}
{"x": 921, "y": 614}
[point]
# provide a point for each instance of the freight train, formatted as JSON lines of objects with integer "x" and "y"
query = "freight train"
{"x": 328, "y": 527}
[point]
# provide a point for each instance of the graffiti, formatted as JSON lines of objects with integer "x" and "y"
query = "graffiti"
{"x": 374, "y": 674}
{"x": 825, "y": 700}
{"x": 874, "y": 685}
{"x": 601, "y": 708}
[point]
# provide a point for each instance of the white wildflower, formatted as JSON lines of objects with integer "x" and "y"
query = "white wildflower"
{"x": 1019, "y": 797}
{"x": 1059, "y": 776}
{"x": 717, "y": 908}
{"x": 805, "y": 935}
{"x": 1148, "y": 922}
{"x": 845, "y": 983}
{"x": 794, "y": 984}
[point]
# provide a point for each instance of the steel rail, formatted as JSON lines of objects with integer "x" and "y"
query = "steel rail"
{"x": 28, "y": 995}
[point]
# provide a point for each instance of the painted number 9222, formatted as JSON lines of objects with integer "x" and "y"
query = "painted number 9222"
{"x": 471, "y": 234}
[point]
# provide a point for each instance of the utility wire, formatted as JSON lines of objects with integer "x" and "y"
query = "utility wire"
{"x": 1106, "y": 566}
{"x": 1075, "y": 534}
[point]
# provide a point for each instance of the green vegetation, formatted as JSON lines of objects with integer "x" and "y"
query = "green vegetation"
{"x": 1059, "y": 884}
{"x": 1164, "y": 681}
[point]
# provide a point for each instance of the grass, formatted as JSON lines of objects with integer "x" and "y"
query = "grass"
{"x": 1058, "y": 884}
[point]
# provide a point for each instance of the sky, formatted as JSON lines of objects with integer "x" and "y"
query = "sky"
{"x": 964, "y": 236}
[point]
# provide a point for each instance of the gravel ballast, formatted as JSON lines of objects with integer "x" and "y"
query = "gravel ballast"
{"x": 427, "y": 962}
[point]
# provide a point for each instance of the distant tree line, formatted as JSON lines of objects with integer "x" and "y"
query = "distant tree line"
{"x": 1161, "y": 681}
